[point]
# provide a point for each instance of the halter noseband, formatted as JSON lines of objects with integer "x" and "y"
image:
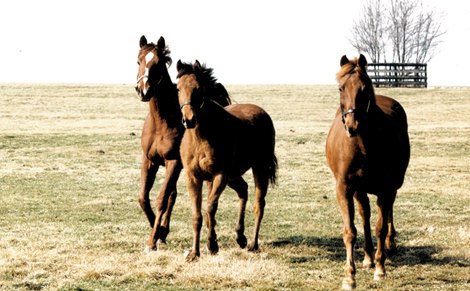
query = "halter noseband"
{"x": 352, "y": 111}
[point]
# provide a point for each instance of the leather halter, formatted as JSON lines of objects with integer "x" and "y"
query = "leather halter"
{"x": 352, "y": 111}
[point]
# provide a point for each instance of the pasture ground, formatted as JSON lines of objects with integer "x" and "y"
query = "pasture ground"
{"x": 69, "y": 179}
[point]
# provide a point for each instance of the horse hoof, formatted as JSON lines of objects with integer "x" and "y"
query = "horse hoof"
{"x": 253, "y": 247}
{"x": 348, "y": 283}
{"x": 161, "y": 241}
{"x": 379, "y": 275}
{"x": 191, "y": 256}
{"x": 149, "y": 249}
{"x": 213, "y": 247}
{"x": 163, "y": 233}
{"x": 242, "y": 241}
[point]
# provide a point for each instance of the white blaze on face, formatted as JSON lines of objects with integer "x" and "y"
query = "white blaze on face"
{"x": 148, "y": 59}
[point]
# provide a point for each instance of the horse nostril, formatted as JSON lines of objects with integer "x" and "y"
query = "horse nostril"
{"x": 189, "y": 123}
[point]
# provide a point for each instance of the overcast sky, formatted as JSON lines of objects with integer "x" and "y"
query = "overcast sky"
{"x": 245, "y": 41}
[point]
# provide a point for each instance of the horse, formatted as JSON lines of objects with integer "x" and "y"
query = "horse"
{"x": 368, "y": 151}
{"x": 219, "y": 145}
{"x": 161, "y": 134}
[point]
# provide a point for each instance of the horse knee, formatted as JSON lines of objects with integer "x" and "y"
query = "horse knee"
{"x": 142, "y": 202}
{"x": 197, "y": 222}
{"x": 349, "y": 235}
{"x": 381, "y": 231}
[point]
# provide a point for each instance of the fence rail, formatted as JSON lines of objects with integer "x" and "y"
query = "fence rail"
{"x": 412, "y": 75}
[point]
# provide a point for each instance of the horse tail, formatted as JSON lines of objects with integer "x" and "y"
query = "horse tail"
{"x": 268, "y": 163}
{"x": 272, "y": 169}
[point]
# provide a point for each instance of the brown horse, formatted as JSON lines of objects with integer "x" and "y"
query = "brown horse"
{"x": 161, "y": 134}
{"x": 368, "y": 151}
{"x": 220, "y": 145}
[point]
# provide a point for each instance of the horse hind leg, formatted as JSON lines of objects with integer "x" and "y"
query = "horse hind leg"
{"x": 390, "y": 244}
{"x": 384, "y": 206}
{"x": 261, "y": 189}
{"x": 363, "y": 207}
{"x": 241, "y": 187}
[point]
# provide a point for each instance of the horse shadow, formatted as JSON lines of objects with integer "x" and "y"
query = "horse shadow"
{"x": 332, "y": 248}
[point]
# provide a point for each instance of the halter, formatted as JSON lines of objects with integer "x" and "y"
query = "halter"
{"x": 188, "y": 102}
{"x": 352, "y": 110}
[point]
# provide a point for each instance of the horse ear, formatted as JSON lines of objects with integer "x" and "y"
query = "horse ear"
{"x": 362, "y": 61}
{"x": 179, "y": 66}
{"x": 197, "y": 65}
{"x": 143, "y": 41}
{"x": 161, "y": 42}
{"x": 344, "y": 60}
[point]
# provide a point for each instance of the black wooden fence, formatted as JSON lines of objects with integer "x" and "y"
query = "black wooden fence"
{"x": 410, "y": 75}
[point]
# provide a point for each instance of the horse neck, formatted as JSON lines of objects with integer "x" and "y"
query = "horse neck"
{"x": 210, "y": 119}
{"x": 164, "y": 104}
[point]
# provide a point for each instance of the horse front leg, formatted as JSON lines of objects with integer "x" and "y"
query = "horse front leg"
{"x": 346, "y": 204}
{"x": 148, "y": 172}
{"x": 384, "y": 206}
{"x": 363, "y": 207}
{"x": 173, "y": 172}
{"x": 241, "y": 187}
{"x": 159, "y": 231}
{"x": 194, "y": 187}
{"x": 218, "y": 185}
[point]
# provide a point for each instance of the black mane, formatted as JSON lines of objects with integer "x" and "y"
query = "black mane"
{"x": 162, "y": 53}
{"x": 204, "y": 76}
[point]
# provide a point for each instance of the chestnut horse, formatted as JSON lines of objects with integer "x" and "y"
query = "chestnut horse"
{"x": 368, "y": 151}
{"x": 161, "y": 134}
{"x": 220, "y": 145}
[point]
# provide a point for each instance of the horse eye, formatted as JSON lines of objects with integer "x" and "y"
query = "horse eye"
{"x": 340, "y": 89}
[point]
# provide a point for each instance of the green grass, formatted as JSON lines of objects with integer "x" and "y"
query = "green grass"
{"x": 69, "y": 179}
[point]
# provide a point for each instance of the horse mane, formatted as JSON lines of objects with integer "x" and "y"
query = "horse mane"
{"x": 206, "y": 79}
{"x": 162, "y": 53}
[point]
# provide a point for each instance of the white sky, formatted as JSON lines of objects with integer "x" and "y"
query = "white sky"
{"x": 245, "y": 41}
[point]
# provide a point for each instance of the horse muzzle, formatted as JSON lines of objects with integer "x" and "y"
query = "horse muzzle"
{"x": 143, "y": 94}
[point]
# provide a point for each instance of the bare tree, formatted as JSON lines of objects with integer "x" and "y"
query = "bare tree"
{"x": 428, "y": 30}
{"x": 402, "y": 29}
{"x": 369, "y": 31}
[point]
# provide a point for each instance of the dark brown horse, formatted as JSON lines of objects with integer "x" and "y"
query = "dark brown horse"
{"x": 161, "y": 134}
{"x": 368, "y": 151}
{"x": 220, "y": 145}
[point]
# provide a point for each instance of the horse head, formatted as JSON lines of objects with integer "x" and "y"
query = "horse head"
{"x": 152, "y": 60}
{"x": 356, "y": 92}
{"x": 196, "y": 87}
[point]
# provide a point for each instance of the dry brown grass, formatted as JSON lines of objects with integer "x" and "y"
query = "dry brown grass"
{"x": 69, "y": 172}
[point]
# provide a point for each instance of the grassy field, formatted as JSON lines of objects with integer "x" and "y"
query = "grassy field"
{"x": 69, "y": 179}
